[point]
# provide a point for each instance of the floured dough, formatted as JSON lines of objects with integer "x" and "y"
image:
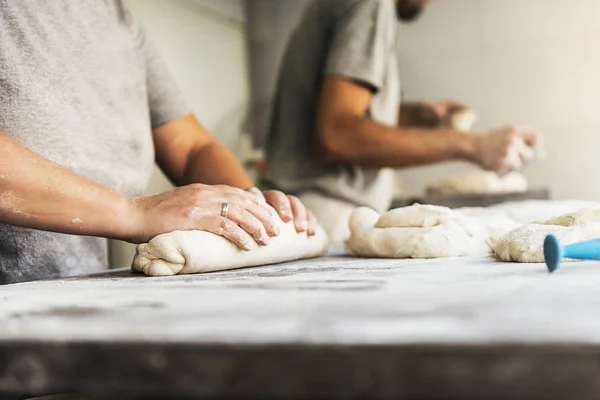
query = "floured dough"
{"x": 463, "y": 120}
{"x": 442, "y": 233}
{"x": 415, "y": 216}
{"x": 589, "y": 216}
{"x": 480, "y": 182}
{"x": 191, "y": 252}
{"x": 526, "y": 244}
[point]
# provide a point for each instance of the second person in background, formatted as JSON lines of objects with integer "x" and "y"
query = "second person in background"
{"x": 338, "y": 124}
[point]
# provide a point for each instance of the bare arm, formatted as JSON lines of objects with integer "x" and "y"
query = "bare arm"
{"x": 187, "y": 153}
{"x": 37, "y": 193}
{"x": 346, "y": 135}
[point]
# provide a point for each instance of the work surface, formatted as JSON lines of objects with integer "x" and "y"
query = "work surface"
{"x": 332, "y": 326}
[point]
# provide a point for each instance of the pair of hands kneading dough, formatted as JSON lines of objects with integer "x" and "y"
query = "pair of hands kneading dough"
{"x": 192, "y": 252}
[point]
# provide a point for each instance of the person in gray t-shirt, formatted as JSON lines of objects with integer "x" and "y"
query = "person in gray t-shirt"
{"x": 86, "y": 107}
{"x": 337, "y": 122}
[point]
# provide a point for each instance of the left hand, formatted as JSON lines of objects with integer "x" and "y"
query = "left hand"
{"x": 289, "y": 208}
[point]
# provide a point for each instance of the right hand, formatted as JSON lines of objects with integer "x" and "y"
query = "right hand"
{"x": 505, "y": 149}
{"x": 198, "y": 207}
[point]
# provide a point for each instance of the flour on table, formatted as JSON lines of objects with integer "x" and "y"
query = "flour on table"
{"x": 480, "y": 182}
{"x": 420, "y": 231}
{"x": 526, "y": 243}
{"x": 192, "y": 252}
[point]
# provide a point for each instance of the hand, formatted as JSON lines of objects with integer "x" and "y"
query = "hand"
{"x": 505, "y": 149}
{"x": 198, "y": 207}
{"x": 290, "y": 208}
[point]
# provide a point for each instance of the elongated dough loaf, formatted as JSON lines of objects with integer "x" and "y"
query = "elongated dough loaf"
{"x": 192, "y": 252}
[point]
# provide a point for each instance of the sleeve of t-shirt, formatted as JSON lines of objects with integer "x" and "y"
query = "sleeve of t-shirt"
{"x": 359, "y": 43}
{"x": 165, "y": 100}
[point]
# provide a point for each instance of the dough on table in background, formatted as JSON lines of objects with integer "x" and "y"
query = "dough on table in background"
{"x": 463, "y": 120}
{"x": 528, "y": 211}
{"x": 480, "y": 182}
{"x": 421, "y": 231}
{"x": 192, "y": 252}
{"x": 526, "y": 244}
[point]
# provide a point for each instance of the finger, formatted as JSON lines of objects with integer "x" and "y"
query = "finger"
{"x": 264, "y": 213}
{"x": 312, "y": 223}
{"x": 281, "y": 203}
{"x": 299, "y": 211}
{"x": 249, "y": 223}
{"x": 229, "y": 230}
{"x": 256, "y": 191}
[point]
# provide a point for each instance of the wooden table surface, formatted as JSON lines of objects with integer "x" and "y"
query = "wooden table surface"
{"x": 328, "y": 327}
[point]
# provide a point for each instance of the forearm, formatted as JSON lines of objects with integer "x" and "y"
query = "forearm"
{"x": 39, "y": 194}
{"x": 370, "y": 144}
{"x": 213, "y": 164}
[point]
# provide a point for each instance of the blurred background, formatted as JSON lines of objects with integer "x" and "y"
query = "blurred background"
{"x": 532, "y": 63}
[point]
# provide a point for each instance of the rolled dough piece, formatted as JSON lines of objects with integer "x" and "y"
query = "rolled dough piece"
{"x": 463, "y": 120}
{"x": 525, "y": 244}
{"x": 192, "y": 252}
{"x": 443, "y": 233}
{"x": 415, "y": 216}
{"x": 480, "y": 182}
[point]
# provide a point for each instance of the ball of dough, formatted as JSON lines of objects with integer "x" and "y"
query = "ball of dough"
{"x": 415, "y": 216}
{"x": 526, "y": 244}
{"x": 583, "y": 217}
{"x": 442, "y": 233}
{"x": 480, "y": 182}
{"x": 463, "y": 120}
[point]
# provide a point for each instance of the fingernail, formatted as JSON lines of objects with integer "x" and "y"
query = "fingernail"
{"x": 275, "y": 231}
{"x": 287, "y": 213}
{"x": 311, "y": 232}
{"x": 302, "y": 226}
{"x": 264, "y": 240}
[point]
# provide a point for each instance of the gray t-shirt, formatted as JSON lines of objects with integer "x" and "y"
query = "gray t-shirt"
{"x": 349, "y": 38}
{"x": 81, "y": 86}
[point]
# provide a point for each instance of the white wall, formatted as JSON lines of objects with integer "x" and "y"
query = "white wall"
{"x": 529, "y": 62}
{"x": 206, "y": 53}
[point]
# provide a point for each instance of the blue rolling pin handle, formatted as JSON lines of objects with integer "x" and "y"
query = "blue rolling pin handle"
{"x": 554, "y": 252}
{"x": 589, "y": 250}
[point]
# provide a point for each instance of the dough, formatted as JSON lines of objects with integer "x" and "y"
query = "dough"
{"x": 480, "y": 182}
{"x": 585, "y": 217}
{"x": 192, "y": 252}
{"x": 442, "y": 233}
{"x": 415, "y": 216}
{"x": 463, "y": 120}
{"x": 525, "y": 244}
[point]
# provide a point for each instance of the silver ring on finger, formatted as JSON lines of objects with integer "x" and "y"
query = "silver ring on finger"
{"x": 224, "y": 210}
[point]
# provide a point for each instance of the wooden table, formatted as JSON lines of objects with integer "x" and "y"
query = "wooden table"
{"x": 330, "y": 327}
